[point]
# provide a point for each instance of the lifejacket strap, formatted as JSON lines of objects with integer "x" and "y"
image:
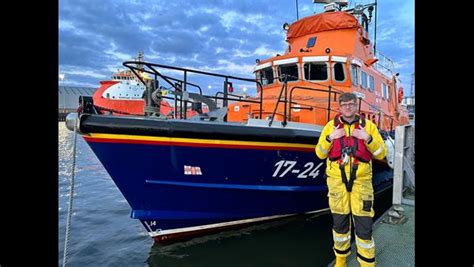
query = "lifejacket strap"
{"x": 344, "y": 177}
{"x": 353, "y": 174}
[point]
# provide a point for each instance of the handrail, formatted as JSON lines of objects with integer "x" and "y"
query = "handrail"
{"x": 148, "y": 64}
{"x": 381, "y": 112}
{"x": 233, "y": 99}
{"x": 329, "y": 91}
{"x": 150, "y": 68}
{"x": 283, "y": 86}
{"x": 239, "y": 96}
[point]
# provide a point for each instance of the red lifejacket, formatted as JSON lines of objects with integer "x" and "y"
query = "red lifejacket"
{"x": 349, "y": 144}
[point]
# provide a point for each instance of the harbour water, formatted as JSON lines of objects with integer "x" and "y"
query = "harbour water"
{"x": 103, "y": 234}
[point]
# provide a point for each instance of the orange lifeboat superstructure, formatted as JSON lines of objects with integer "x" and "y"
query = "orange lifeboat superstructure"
{"x": 328, "y": 54}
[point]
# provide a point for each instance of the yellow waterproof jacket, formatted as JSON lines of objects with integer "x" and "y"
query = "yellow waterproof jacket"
{"x": 377, "y": 147}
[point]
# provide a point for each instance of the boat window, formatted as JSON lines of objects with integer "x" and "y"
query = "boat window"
{"x": 291, "y": 70}
{"x": 363, "y": 79}
{"x": 355, "y": 74}
{"x": 311, "y": 42}
{"x": 371, "y": 83}
{"x": 384, "y": 91}
{"x": 339, "y": 72}
{"x": 315, "y": 71}
{"x": 265, "y": 76}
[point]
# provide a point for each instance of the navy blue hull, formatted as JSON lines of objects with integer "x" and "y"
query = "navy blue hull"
{"x": 231, "y": 184}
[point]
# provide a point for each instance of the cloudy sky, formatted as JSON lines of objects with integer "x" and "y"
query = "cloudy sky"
{"x": 222, "y": 36}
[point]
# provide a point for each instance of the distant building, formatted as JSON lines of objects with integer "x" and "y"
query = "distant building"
{"x": 68, "y": 98}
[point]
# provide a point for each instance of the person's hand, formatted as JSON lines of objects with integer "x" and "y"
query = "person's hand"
{"x": 338, "y": 133}
{"x": 361, "y": 134}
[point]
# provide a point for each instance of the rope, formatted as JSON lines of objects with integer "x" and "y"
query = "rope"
{"x": 71, "y": 196}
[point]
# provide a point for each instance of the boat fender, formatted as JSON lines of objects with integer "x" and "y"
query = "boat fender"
{"x": 390, "y": 143}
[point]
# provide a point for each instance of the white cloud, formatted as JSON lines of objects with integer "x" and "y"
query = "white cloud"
{"x": 231, "y": 19}
{"x": 405, "y": 13}
{"x": 228, "y": 19}
{"x": 400, "y": 64}
{"x": 145, "y": 28}
{"x": 231, "y": 68}
{"x": 240, "y": 53}
{"x": 264, "y": 51}
{"x": 147, "y": 16}
{"x": 116, "y": 55}
{"x": 79, "y": 72}
{"x": 256, "y": 19}
{"x": 134, "y": 18}
{"x": 220, "y": 49}
{"x": 65, "y": 25}
{"x": 78, "y": 83}
{"x": 386, "y": 34}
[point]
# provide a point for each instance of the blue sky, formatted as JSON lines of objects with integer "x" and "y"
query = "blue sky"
{"x": 224, "y": 36}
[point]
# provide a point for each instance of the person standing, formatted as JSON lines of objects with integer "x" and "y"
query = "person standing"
{"x": 349, "y": 142}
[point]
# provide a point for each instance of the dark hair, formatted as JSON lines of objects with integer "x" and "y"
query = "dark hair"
{"x": 347, "y": 97}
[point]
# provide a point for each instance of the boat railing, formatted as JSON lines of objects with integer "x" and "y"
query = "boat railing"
{"x": 284, "y": 87}
{"x": 288, "y": 104}
{"x": 180, "y": 85}
{"x": 380, "y": 115}
{"x": 332, "y": 93}
{"x": 384, "y": 63}
{"x": 181, "y": 82}
{"x": 329, "y": 91}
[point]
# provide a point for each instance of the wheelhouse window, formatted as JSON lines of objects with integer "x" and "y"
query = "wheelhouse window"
{"x": 371, "y": 83}
{"x": 363, "y": 79}
{"x": 311, "y": 42}
{"x": 290, "y": 70}
{"x": 384, "y": 91}
{"x": 315, "y": 71}
{"x": 265, "y": 76}
{"x": 355, "y": 75}
{"x": 339, "y": 75}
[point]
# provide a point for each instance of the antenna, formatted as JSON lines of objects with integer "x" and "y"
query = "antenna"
{"x": 375, "y": 28}
{"x": 297, "y": 16}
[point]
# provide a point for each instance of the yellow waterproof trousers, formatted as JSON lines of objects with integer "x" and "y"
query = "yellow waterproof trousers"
{"x": 356, "y": 206}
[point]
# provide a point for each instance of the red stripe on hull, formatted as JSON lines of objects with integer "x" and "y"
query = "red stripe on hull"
{"x": 180, "y": 237}
{"x": 164, "y": 143}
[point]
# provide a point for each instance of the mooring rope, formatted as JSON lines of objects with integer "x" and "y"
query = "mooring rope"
{"x": 71, "y": 196}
